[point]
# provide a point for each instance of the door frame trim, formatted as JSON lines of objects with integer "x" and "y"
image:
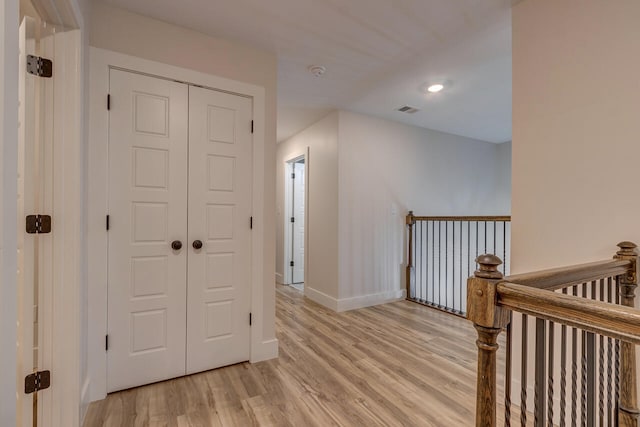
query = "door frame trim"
{"x": 287, "y": 276}
{"x": 101, "y": 61}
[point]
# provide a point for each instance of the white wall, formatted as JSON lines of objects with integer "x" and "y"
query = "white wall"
{"x": 322, "y": 215}
{"x": 386, "y": 169}
{"x": 575, "y": 130}
{"x": 9, "y": 16}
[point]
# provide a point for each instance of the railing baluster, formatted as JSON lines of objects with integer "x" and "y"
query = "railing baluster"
{"x": 446, "y": 264}
{"x": 421, "y": 269}
{"x": 461, "y": 279}
{"x": 583, "y": 371}
{"x": 495, "y": 248}
{"x": 469, "y": 257}
{"x": 540, "y": 375}
{"x": 563, "y": 371}
{"x": 574, "y": 371}
{"x": 523, "y": 372}
{"x": 433, "y": 260}
{"x": 504, "y": 247}
{"x": 591, "y": 370}
{"x": 617, "y": 363}
{"x": 610, "y": 362}
{"x": 507, "y": 376}
{"x": 485, "y": 236}
{"x": 601, "y": 367}
{"x": 550, "y": 365}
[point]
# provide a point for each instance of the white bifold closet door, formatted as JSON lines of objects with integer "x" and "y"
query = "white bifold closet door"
{"x": 147, "y": 211}
{"x": 180, "y": 171}
{"x": 219, "y": 216}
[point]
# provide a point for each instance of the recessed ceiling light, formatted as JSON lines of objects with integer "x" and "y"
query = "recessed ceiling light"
{"x": 435, "y": 88}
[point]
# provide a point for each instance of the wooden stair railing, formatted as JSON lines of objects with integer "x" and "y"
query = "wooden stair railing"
{"x": 491, "y": 300}
{"x": 441, "y": 254}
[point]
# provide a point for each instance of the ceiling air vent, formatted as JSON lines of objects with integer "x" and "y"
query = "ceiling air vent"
{"x": 408, "y": 110}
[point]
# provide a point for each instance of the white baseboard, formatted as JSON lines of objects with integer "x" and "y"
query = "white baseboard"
{"x": 362, "y": 301}
{"x": 279, "y": 279}
{"x": 266, "y": 350}
{"x": 321, "y": 298}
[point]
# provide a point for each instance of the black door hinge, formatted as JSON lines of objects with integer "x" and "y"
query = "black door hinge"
{"x": 109, "y": 101}
{"x": 293, "y": 175}
{"x": 38, "y": 224}
{"x": 107, "y": 223}
{"x": 293, "y": 219}
{"x": 251, "y": 126}
{"x": 37, "y": 381}
{"x": 251, "y": 223}
{"x": 291, "y": 264}
{"x": 41, "y": 67}
{"x": 250, "y": 319}
{"x": 106, "y": 342}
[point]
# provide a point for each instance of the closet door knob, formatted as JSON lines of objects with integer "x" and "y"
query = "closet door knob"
{"x": 197, "y": 244}
{"x": 176, "y": 245}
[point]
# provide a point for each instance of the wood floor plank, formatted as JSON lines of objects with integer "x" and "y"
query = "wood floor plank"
{"x": 398, "y": 364}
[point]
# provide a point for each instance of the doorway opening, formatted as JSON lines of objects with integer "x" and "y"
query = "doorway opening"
{"x": 295, "y": 200}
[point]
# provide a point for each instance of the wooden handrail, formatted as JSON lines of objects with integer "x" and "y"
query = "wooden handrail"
{"x": 491, "y": 299}
{"x": 461, "y": 218}
{"x": 564, "y": 277}
{"x": 612, "y": 320}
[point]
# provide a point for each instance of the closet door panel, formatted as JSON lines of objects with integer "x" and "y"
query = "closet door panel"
{"x": 147, "y": 212}
{"x": 220, "y": 158}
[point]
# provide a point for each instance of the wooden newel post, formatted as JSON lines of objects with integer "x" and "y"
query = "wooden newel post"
{"x": 410, "y": 221}
{"x": 628, "y": 413}
{"x": 488, "y": 319}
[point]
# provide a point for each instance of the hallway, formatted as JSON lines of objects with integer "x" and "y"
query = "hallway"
{"x": 394, "y": 364}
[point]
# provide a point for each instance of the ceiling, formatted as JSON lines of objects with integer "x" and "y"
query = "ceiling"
{"x": 378, "y": 55}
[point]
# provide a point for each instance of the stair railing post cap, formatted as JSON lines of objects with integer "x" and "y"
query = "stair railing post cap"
{"x": 488, "y": 267}
{"x": 627, "y": 248}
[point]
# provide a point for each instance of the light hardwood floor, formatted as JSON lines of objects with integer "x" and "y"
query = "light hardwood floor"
{"x": 398, "y": 364}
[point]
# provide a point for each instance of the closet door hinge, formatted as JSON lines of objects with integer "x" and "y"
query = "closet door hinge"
{"x": 251, "y": 126}
{"x": 293, "y": 176}
{"x": 293, "y": 219}
{"x": 37, "y": 381}
{"x": 251, "y": 223}
{"x": 250, "y": 319}
{"x": 108, "y": 225}
{"x": 38, "y": 66}
{"x": 106, "y": 342}
{"x": 108, "y": 101}
{"x": 38, "y": 224}
{"x": 291, "y": 263}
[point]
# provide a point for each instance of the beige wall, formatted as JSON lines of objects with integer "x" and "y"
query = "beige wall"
{"x": 125, "y": 32}
{"x": 575, "y": 130}
{"x": 322, "y": 215}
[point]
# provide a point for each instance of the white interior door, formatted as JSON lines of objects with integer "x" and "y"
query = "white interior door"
{"x": 147, "y": 212}
{"x": 298, "y": 223}
{"x": 220, "y": 158}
